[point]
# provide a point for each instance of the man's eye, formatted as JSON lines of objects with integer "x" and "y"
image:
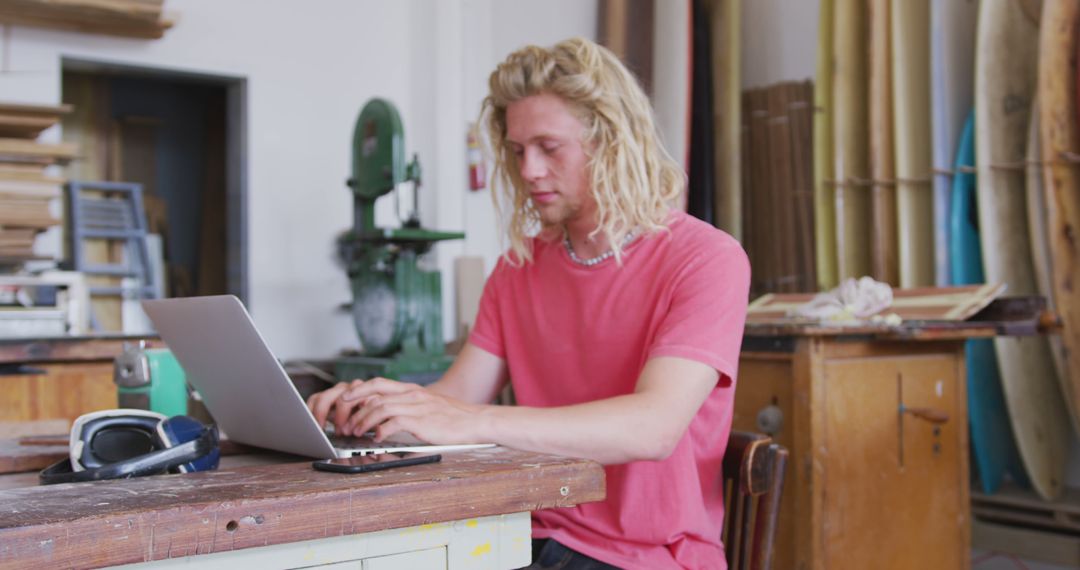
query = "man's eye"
{"x": 549, "y": 148}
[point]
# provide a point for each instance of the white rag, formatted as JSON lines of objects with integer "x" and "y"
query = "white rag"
{"x": 854, "y": 301}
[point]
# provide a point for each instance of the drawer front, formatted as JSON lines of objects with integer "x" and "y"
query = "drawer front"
{"x": 433, "y": 559}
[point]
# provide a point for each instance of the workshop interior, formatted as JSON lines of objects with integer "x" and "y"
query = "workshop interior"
{"x": 903, "y": 175}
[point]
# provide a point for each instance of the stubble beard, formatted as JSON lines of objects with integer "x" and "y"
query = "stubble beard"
{"x": 557, "y": 215}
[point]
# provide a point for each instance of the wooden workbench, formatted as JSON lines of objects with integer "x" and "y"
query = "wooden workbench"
{"x": 870, "y": 484}
{"x": 469, "y": 510}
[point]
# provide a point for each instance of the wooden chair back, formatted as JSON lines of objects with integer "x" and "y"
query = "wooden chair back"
{"x": 753, "y": 482}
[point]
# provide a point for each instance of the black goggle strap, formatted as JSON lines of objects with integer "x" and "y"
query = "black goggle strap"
{"x": 148, "y": 464}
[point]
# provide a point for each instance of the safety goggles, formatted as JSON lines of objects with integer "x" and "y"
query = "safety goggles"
{"x": 117, "y": 444}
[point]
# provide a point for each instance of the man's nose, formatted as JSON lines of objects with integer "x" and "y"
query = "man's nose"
{"x": 532, "y": 165}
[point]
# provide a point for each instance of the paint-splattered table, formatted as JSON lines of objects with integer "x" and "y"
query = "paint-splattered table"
{"x": 471, "y": 510}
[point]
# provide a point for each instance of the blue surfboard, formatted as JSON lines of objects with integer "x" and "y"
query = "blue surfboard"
{"x": 992, "y": 441}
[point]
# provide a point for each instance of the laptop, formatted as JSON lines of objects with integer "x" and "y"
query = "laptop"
{"x": 244, "y": 386}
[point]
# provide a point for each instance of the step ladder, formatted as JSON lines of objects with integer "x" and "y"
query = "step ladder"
{"x": 111, "y": 211}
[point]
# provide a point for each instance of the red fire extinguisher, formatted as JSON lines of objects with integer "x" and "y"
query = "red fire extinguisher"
{"x": 477, "y": 168}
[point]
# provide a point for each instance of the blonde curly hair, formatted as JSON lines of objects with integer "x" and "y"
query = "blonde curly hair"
{"x": 633, "y": 178}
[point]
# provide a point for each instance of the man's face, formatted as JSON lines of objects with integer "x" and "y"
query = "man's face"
{"x": 546, "y": 139}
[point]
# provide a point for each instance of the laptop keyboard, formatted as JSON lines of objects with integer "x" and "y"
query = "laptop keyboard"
{"x": 366, "y": 442}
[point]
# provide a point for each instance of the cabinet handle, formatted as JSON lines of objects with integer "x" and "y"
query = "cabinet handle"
{"x": 929, "y": 414}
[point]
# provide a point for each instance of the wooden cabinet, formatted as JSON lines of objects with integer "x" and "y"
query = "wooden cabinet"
{"x": 58, "y": 378}
{"x": 877, "y": 430}
{"x": 56, "y": 391}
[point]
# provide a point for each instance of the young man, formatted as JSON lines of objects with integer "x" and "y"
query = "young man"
{"x": 618, "y": 322}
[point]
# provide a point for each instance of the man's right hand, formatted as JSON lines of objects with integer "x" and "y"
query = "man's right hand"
{"x": 476, "y": 376}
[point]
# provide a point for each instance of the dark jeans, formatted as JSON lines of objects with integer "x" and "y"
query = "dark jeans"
{"x": 550, "y": 555}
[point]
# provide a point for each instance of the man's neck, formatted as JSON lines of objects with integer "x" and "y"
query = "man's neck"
{"x": 586, "y": 247}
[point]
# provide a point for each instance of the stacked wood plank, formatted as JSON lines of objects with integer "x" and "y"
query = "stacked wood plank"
{"x": 27, "y": 191}
{"x": 778, "y": 195}
{"x": 126, "y": 18}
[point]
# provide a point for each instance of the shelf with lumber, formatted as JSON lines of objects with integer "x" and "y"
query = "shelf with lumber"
{"x": 34, "y": 173}
{"x": 34, "y": 222}
{"x": 27, "y": 121}
{"x": 125, "y": 18}
{"x": 21, "y": 151}
{"x": 27, "y": 208}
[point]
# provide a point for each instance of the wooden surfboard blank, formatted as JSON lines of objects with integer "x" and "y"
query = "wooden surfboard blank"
{"x": 782, "y": 206}
{"x": 727, "y": 87}
{"x": 1040, "y": 256}
{"x": 850, "y": 138}
{"x": 824, "y": 193}
{"x": 884, "y": 235}
{"x": 749, "y": 231}
{"x": 757, "y": 192}
{"x": 800, "y": 113}
{"x": 1005, "y": 80}
{"x": 911, "y": 96}
{"x": 993, "y": 445}
{"x": 1061, "y": 185}
{"x": 778, "y": 200}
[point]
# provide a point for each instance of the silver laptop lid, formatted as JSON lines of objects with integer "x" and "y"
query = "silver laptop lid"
{"x": 241, "y": 382}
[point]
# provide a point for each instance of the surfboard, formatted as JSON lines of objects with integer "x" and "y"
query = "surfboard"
{"x": 824, "y": 193}
{"x": 1005, "y": 78}
{"x": 911, "y": 97}
{"x": 1040, "y": 256}
{"x": 850, "y": 138}
{"x": 992, "y": 441}
{"x": 884, "y": 234}
{"x": 1055, "y": 212}
{"x": 952, "y": 57}
{"x": 725, "y": 32}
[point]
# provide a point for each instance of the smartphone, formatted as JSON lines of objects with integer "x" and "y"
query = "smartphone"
{"x": 376, "y": 462}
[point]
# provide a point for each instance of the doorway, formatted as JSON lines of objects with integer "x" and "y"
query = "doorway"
{"x": 181, "y": 136}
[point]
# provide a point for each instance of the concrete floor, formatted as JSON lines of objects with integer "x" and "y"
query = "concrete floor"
{"x": 984, "y": 560}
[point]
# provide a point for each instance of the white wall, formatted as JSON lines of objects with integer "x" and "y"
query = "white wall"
{"x": 310, "y": 67}
{"x": 473, "y": 36}
{"x": 671, "y": 76}
{"x": 779, "y": 40}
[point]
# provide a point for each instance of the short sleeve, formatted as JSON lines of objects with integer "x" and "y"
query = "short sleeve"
{"x": 487, "y": 332}
{"x": 708, "y": 311}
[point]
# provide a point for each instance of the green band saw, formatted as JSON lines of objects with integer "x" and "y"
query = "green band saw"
{"x": 397, "y": 305}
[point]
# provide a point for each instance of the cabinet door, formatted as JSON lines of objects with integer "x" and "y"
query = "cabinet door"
{"x": 894, "y": 477}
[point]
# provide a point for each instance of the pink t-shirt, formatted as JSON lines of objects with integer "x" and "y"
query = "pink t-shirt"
{"x": 573, "y": 334}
